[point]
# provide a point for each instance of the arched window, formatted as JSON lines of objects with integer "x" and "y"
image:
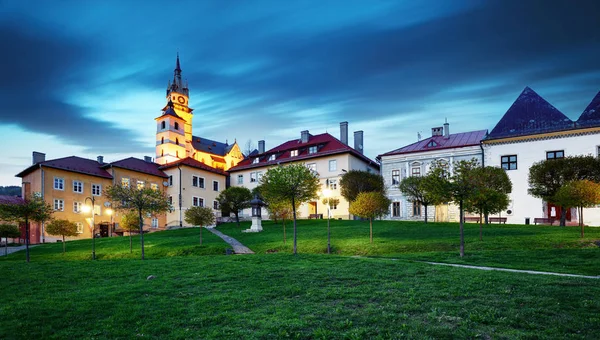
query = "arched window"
{"x": 162, "y": 124}
{"x": 162, "y": 140}
{"x": 177, "y": 141}
{"x": 176, "y": 126}
{"x": 162, "y": 153}
{"x": 415, "y": 169}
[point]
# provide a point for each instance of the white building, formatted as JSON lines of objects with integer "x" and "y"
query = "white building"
{"x": 533, "y": 130}
{"x": 415, "y": 160}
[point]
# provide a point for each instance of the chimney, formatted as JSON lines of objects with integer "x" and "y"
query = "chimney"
{"x": 261, "y": 146}
{"x": 344, "y": 132}
{"x": 38, "y": 157}
{"x": 100, "y": 159}
{"x": 358, "y": 141}
{"x": 446, "y": 129}
{"x": 148, "y": 159}
{"x": 304, "y": 136}
{"x": 437, "y": 131}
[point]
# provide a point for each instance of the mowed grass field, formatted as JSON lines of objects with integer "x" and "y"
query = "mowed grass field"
{"x": 273, "y": 294}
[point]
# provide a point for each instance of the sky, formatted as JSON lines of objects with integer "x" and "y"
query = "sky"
{"x": 87, "y": 78}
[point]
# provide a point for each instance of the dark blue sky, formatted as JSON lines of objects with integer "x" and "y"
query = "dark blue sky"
{"x": 88, "y": 78}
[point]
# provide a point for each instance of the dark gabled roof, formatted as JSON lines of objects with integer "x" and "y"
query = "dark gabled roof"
{"x": 4, "y": 199}
{"x": 455, "y": 140}
{"x": 138, "y": 165}
{"x": 194, "y": 164}
{"x": 591, "y": 115}
{"x": 169, "y": 111}
{"x": 326, "y": 145}
{"x": 530, "y": 114}
{"x": 211, "y": 146}
{"x": 72, "y": 163}
{"x": 251, "y": 154}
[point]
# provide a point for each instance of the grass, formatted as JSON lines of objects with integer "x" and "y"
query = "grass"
{"x": 545, "y": 248}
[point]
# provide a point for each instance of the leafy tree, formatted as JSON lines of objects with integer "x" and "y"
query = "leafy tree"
{"x": 354, "y": 182}
{"x": 416, "y": 189}
{"x": 200, "y": 216}
{"x": 130, "y": 221}
{"x": 234, "y": 199}
{"x": 62, "y": 228}
{"x": 580, "y": 194}
{"x": 331, "y": 201}
{"x": 6, "y": 231}
{"x": 294, "y": 184}
{"x": 143, "y": 201}
{"x": 491, "y": 187}
{"x": 548, "y": 176}
{"x": 33, "y": 208}
{"x": 278, "y": 210}
{"x": 370, "y": 205}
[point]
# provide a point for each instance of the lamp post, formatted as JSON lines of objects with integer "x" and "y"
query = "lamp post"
{"x": 109, "y": 212}
{"x": 327, "y": 194}
{"x": 93, "y": 200}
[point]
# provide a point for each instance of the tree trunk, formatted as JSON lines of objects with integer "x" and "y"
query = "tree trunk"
{"x": 6, "y": 248}
{"x": 563, "y": 216}
{"x": 462, "y": 234}
{"x": 284, "y": 231}
{"x": 581, "y": 221}
{"x": 425, "y": 213}
{"x": 27, "y": 239}
{"x": 237, "y": 217}
{"x": 130, "y": 243}
{"x": 200, "y": 235}
{"x": 63, "y": 244}
{"x": 480, "y": 228}
{"x": 487, "y": 218}
{"x": 141, "y": 232}
{"x": 371, "y": 231}
{"x": 294, "y": 214}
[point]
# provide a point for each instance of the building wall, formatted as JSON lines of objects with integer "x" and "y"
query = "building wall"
{"x": 530, "y": 151}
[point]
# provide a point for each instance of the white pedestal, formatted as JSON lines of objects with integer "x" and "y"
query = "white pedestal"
{"x": 256, "y": 225}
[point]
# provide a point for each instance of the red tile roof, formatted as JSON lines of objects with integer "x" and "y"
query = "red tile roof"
{"x": 11, "y": 200}
{"x": 326, "y": 145}
{"x": 194, "y": 164}
{"x": 139, "y": 165}
{"x": 456, "y": 140}
{"x": 73, "y": 164}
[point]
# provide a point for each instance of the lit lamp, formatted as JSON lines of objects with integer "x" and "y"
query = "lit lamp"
{"x": 327, "y": 195}
{"x": 86, "y": 208}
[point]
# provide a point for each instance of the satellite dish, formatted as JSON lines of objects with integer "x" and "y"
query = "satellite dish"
{"x": 166, "y": 184}
{"x": 107, "y": 204}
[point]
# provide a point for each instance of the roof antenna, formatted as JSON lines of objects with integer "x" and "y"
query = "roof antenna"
{"x": 419, "y": 136}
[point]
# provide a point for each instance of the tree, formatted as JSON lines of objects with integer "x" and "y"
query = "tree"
{"x": 33, "y": 208}
{"x": 548, "y": 176}
{"x": 294, "y": 184}
{"x": 354, "y": 182}
{"x": 491, "y": 187}
{"x": 580, "y": 194}
{"x": 415, "y": 188}
{"x": 234, "y": 199}
{"x": 200, "y": 216}
{"x": 11, "y": 190}
{"x": 370, "y": 205}
{"x": 62, "y": 228}
{"x": 142, "y": 200}
{"x": 130, "y": 221}
{"x": 6, "y": 231}
{"x": 249, "y": 147}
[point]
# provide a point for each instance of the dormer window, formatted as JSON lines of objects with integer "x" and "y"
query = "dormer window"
{"x": 294, "y": 153}
{"x": 272, "y": 157}
{"x": 163, "y": 125}
{"x": 432, "y": 144}
{"x": 255, "y": 161}
{"x": 176, "y": 126}
{"x": 312, "y": 149}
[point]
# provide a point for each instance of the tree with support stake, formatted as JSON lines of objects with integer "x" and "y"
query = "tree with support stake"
{"x": 6, "y": 231}
{"x": 200, "y": 216}
{"x": 580, "y": 194}
{"x": 62, "y": 228}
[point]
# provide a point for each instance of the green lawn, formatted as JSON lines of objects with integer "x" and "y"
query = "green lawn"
{"x": 546, "y": 248}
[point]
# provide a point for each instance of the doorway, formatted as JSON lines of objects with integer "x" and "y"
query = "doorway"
{"x": 104, "y": 229}
{"x": 312, "y": 208}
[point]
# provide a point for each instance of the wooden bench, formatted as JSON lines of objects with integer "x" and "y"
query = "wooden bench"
{"x": 498, "y": 219}
{"x": 315, "y": 216}
{"x": 544, "y": 220}
{"x": 471, "y": 219}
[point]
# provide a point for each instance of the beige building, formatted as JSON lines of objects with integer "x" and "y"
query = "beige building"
{"x": 328, "y": 156}
{"x": 192, "y": 183}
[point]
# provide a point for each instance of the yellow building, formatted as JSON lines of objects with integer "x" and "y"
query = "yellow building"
{"x": 69, "y": 183}
{"x": 174, "y": 138}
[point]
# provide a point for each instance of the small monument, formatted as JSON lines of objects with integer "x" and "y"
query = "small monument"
{"x": 256, "y": 205}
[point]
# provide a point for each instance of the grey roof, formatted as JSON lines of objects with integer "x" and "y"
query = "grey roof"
{"x": 530, "y": 114}
{"x": 211, "y": 146}
{"x": 591, "y": 115}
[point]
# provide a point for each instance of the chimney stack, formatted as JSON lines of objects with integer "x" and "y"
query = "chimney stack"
{"x": 358, "y": 141}
{"x": 38, "y": 157}
{"x": 100, "y": 159}
{"x": 261, "y": 146}
{"x": 148, "y": 159}
{"x": 304, "y": 136}
{"x": 437, "y": 131}
{"x": 344, "y": 132}
{"x": 446, "y": 129}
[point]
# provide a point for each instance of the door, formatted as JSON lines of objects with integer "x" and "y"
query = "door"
{"x": 554, "y": 212}
{"x": 312, "y": 208}
{"x": 104, "y": 229}
{"x": 441, "y": 213}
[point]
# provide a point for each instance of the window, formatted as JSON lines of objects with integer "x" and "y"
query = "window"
{"x": 444, "y": 165}
{"x": 154, "y": 186}
{"x": 125, "y": 182}
{"x": 162, "y": 140}
{"x": 312, "y": 149}
{"x": 77, "y": 187}
{"x": 59, "y": 205}
{"x": 176, "y": 127}
{"x": 163, "y": 125}
{"x": 170, "y": 180}
{"x": 240, "y": 179}
{"x": 79, "y": 227}
{"x": 96, "y": 189}
{"x": 216, "y": 205}
{"x": 598, "y": 151}
{"x": 177, "y": 141}
{"x": 198, "y": 182}
{"x": 332, "y": 165}
{"x": 272, "y": 158}
{"x": 431, "y": 144}
{"x": 255, "y": 161}
{"x": 170, "y": 200}
{"x": 509, "y": 162}
{"x": 332, "y": 184}
{"x": 333, "y": 205}
{"x": 140, "y": 185}
{"x": 396, "y": 209}
{"x": 197, "y": 201}
{"x": 259, "y": 175}
{"x": 154, "y": 222}
{"x": 77, "y": 207}
{"x": 416, "y": 209}
{"x": 59, "y": 183}
{"x": 555, "y": 154}
{"x": 215, "y": 185}
{"x": 252, "y": 177}
{"x": 293, "y": 153}
{"x": 312, "y": 166}
{"x": 415, "y": 170}
{"x": 395, "y": 177}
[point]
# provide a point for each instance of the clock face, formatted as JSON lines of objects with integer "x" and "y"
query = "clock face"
{"x": 181, "y": 100}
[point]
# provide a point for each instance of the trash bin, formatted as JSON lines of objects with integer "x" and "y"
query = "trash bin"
{"x": 526, "y": 220}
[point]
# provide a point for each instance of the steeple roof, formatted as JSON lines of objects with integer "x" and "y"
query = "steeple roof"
{"x": 177, "y": 66}
{"x": 169, "y": 110}
{"x": 591, "y": 115}
{"x": 530, "y": 114}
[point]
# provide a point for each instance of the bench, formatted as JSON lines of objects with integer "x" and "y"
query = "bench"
{"x": 471, "y": 219}
{"x": 498, "y": 219}
{"x": 315, "y": 216}
{"x": 544, "y": 220}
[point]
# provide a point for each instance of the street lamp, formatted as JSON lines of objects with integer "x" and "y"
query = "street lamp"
{"x": 86, "y": 209}
{"x": 109, "y": 212}
{"x": 327, "y": 195}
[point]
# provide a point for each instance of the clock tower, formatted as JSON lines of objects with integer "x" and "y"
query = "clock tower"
{"x": 178, "y": 94}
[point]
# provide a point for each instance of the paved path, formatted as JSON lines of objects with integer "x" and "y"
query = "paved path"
{"x": 510, "y": 270}
{"x": 238, "y": 248}
{"x": 13, "y": 249}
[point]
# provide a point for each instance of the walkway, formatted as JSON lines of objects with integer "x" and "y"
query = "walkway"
{"x": 238, "y": 248}
{"x": 13, "y": 249}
